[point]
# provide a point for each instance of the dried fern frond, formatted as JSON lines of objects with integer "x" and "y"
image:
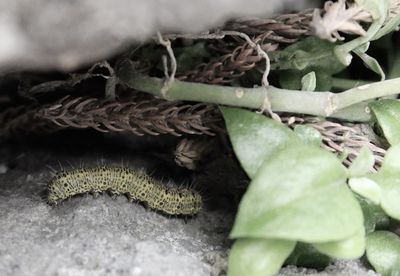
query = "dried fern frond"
{"x": 137, "y": 115}
{"x": 271, "y": 33}
{"x": 341, "y": 139}
{"x": 17, "y": 121}
{"x": 285, "y": 28}
{"x": 144, "y": 115}
{"x": 229, "y": 66}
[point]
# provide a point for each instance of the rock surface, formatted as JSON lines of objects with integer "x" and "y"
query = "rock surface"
{"x": 101, "y": 236}
{"x": 65, "y": 34}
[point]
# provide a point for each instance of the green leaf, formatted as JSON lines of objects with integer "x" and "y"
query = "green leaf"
{"x": 362, "y": 164}
{"x": 305, "y": 255}
{"x": 379, "y": 10}
{"x": 383, "y": 252}
{"x": 370, "y": 62}
{"x": 292, "y": 79}
{"x": 387, "y": 114}
{"x": 255, "y": 137}
{"x": 350, "y": 248}
{"x": 190, "y": 56}
{"x": 299, "y": 194}
{"x": 308, "y": 134}
{"x": 391, "y": 162}
{"x": 308, "y": 55}
{"x": 390, "y": 193}
{"x": 366, "y": 188}
{"x": 309, "y": 82}
{"x": 258, "y": 257}
{"x": 374, "y": 216}
{"x": 388, "y": 179}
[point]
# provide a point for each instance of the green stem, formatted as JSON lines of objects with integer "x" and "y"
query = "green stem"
{"x": 368, "y": 92}
{"x": 344, "y": 84}
{"x": 342, "y": 52}
{"x": 326, "y": 104}
{"x": 389, "y": 27}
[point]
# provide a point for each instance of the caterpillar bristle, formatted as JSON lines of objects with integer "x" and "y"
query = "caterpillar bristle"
{"x": 70, "y": 165}
{"x": 53, "y": 171}
{"x": 135, "y": 184}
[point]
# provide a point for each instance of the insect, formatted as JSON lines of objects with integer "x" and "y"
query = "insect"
{"x": 136, "y": 185}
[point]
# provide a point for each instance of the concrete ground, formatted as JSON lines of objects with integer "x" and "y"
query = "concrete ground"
{"x": 102, "y": 236}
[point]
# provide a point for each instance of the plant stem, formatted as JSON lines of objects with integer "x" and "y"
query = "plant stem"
{"x": 344, "y": 84}
{"x": 342, "y": 52}
{"x": 345, "y": 105}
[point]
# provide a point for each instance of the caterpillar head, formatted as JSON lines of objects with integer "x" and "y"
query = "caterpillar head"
{"x": 57, "y": 190}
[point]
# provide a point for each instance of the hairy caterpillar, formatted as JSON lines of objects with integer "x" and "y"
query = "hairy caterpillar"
{"x": 137, "y": 185}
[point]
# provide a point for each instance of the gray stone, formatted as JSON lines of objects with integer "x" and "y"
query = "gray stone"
{"x": 87, "y": 236}
{"x": 65, "y": 34}
{"x": 101, "y": 236}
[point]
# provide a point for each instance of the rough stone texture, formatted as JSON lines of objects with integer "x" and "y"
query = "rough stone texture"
{"x": 337, "y": 268}
{"x": 87, "y": 236}
{"x": 46, "y": 34}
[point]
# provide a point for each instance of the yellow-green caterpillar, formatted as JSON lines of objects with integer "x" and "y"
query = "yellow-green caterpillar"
{"x": 136, "y": 185}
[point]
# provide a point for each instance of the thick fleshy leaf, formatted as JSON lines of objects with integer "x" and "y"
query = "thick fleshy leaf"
{"x": 308, "y": 134}
{"x": 362, "y": 164}
{"x": 387, "y": 114}
{"x": 370, "y": 62}
{"x": 307, "y": 55}
{"x": 299, "y": 194}
{"x": 367, "y": 188}
{"x": 258, "y": 257}
{"x": 255, "y": 137}
{"x": 351, "y": 248}
{"x": 391, "y": 163}
{"x": 388, "y": 179}
{"x": 390, "y": 193}
{"x": 374, "y": 216}
{"x": 309, "y": 82}
{"x": 383, "y": 252}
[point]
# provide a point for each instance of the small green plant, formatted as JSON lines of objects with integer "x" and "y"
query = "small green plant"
{"x": 303, "y": 206}
{"x": 298, "y": 193}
